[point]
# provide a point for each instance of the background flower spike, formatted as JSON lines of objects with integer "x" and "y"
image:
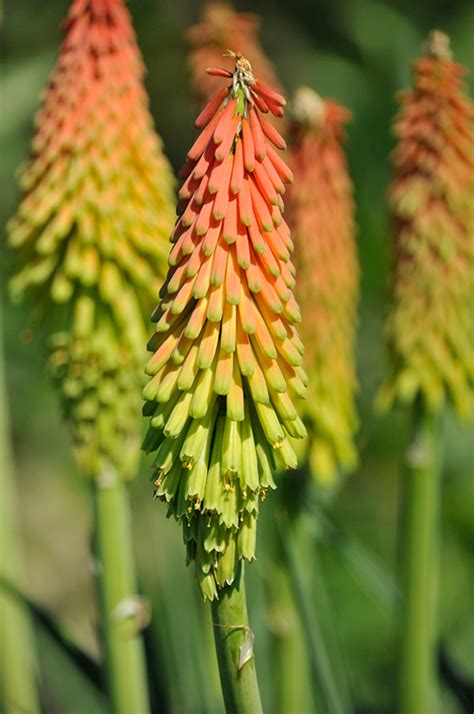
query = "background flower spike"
{"x": 430, "y": 335}
{"x": 91, "y": 240}
{"x": 88, "y": 231}
{"x": 430, "y": 323}
{"x": 237, "y": 297}
{"x": 321, "y": 210}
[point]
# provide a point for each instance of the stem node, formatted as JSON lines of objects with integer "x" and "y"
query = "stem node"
{"x": 234, "y": 645}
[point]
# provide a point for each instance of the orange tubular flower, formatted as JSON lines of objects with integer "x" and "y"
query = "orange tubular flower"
{"x": 322, "y": 216}
{"x": 221, "y": 27}
{"x": 430, "y": 325}
{"x": 227, "y": 358}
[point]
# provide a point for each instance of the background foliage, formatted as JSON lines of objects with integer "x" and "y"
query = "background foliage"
{"x": 357, "y": 51}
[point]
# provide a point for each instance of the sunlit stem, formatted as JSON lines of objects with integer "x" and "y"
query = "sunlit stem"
{"x": 420, "y": 544}
{"x": 120, "y": 607}
{"x": 233, "y": 639}
{"x": 17, "y": 655}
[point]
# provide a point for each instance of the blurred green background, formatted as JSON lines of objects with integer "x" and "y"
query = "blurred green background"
{"x": 357, "y": 51}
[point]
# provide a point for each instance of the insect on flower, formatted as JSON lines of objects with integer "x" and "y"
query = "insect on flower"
{"x": 221, "y": 26}
{"x": 226, "y": 364}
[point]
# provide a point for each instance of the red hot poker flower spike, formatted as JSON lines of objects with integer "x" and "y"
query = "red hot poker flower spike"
{"x": 430, "y": 326}
{"x": 226, "y": 364}
{"x": 95, "y": 214}
{"x": 322, "y": 216}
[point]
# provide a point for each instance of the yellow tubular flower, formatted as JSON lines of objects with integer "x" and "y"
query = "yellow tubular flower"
{"x": 226, "y": 364}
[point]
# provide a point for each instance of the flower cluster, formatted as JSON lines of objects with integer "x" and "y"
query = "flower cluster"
{"x": 430, "y": 326}
{"x": 322, "y": 217}
{"x": 97, "y": 205}
{"x": 227, "y": 358}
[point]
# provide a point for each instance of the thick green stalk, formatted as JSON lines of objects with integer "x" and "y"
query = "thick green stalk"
{"x": 17, "y": 657}
{"x": 120, "y": 616}
{"x": 292, "y": 685}
{"x": 233, "y": 638}
{"x": 420, "y": 544}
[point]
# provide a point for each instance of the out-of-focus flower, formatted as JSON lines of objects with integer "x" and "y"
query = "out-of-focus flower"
{"x": 93, "y": 221}
{"x": 222, "y": 28}
{"x": 430, "y": 325}
{"x": 227, "y": 358}
{"x": 100, "y": 388}
{"x": 322, "y": 217}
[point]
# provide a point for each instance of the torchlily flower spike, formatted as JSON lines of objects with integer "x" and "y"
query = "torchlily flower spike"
{"x": 97, "y": 207}
{"x": 429, "y": 332}
{"x": 96, "y": 210}
{"x": 322, "y": 216}
{"x": 226, "y": 365}
{"x": 430, "y": 324}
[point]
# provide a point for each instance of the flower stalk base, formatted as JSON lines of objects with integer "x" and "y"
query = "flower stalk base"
{"x": 121, "y": 609}
{"x": 233, "y": 639}
{"x": 420, "y": 566}
{"x": 17, "y": 655}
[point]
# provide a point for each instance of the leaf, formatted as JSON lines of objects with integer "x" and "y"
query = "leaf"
{"x": 85, "y": 664}
{"x": 318, "y": 656}
{"x": 246, "y": 649}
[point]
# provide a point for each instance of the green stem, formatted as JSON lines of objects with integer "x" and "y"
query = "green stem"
{"x": 17, "y": 656}
{"x": 419, "y": 540}
{"x": 231, "y": 632}
{"x": 292, "y": 685}
{"x": 123, "y": 648}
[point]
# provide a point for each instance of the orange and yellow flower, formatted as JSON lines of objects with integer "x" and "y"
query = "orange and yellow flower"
{"x": 430, "y": 325}
{"x": 321, "y": 210}
{"x": 226, "y": 364}
{"x": 93, "y": 223}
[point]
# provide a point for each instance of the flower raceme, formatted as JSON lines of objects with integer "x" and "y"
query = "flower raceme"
{"x": 227, "y": 357}
{"x": 321, "y": 209}
{"x": 430, "y": 326}
{"x": 95, "y": 214}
